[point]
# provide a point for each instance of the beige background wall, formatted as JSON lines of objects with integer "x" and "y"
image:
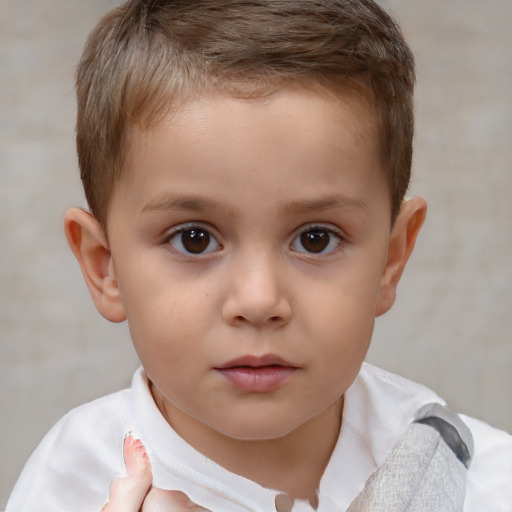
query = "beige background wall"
{"x": 451, "y": 326}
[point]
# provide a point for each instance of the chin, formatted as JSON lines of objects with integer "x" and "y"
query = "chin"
{"x": 256, "y": 431}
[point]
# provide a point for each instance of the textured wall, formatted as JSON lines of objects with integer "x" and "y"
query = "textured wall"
{"x": 450, "y": 328}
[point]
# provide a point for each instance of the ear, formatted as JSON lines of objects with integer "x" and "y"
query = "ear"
{"x": 401, "y": 244}
{"x": 89, "y": 244}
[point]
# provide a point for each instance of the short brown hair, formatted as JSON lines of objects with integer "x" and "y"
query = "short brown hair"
{"x": 147, "y": 57}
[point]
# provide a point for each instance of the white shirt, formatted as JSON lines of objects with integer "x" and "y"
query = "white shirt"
{"x": 80, "y": 457}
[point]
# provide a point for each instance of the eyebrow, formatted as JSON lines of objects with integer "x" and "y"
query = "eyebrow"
{"x": 201, "y": 204}
{"x": 325, "y": 203}
{"x": 192, "y": 203}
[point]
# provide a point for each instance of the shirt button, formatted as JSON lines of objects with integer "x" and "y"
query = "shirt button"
{"x": 284, "y": 503}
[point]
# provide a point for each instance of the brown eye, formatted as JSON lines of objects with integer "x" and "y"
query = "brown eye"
{"x": 195, "y": 241}
{"x": 315, "y": 241}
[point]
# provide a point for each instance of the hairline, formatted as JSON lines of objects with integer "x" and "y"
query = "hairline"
{"x": 158, "y": 112}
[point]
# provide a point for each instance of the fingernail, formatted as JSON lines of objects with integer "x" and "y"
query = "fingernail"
{"x": 135, "y": 456}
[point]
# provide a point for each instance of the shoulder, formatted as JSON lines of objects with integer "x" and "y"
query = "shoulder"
{"x": 81, "y": 452}
{"x": 394, "y": 401}
{"x": 94, "y": 424}
{"x": 390, "y": 399}
{"x": 490, "y": 475}
{"x": 380, "y": 405}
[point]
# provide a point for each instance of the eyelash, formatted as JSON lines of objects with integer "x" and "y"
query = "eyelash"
{"x": 327, "y": 243}
{"x": 334, "y": 236}
{"x": 209, "y": 240}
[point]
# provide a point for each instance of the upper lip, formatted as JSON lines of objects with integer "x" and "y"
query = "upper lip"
{"x": 254, "y": 361}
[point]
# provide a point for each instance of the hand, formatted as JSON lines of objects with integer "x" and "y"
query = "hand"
{"x": 135, "y": 493}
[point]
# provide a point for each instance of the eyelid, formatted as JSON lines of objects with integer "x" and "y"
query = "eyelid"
{"x": 186, "y": 226}
{"x": 320, "y": 226}
{"x": 326, "y": 226}
{"x": 189, "y": 226}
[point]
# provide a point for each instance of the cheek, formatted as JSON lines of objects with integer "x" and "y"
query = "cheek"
{"x": 344, "y": 307}
{"x": 344, "y": 347}
{"x": 341, "y": 354}
{"x": 342, "y": 316}
{"x": 164, "y": 321}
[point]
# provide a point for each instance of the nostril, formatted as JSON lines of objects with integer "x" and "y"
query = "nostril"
{"x": 257, "y": 311}
{"x": 274, "y": 320}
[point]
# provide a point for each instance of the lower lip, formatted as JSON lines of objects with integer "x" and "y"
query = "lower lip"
{"x": 257, "y": 379}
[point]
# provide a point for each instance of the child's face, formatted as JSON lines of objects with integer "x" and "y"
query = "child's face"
{"x": 248, "y": 242}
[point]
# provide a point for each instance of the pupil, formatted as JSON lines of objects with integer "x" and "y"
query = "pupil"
{"x": 195, "y": 240}
{"x": 315, "y": 241}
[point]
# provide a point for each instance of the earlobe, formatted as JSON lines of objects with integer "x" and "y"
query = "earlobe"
{"x": 401, "y": 244}
{"x": 89, "y": 244}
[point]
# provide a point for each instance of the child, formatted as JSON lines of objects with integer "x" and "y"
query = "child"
{"x": 245, "y": 164}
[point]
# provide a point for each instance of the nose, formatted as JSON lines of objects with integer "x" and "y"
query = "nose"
{"x": 257, "y": 294}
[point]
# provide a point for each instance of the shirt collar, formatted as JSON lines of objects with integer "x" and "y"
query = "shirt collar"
{"x": 377, "y": 409}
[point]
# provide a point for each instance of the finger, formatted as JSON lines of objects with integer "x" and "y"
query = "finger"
{"x": 160, "y": 500}
{"x": 136, "y": 458}
{"x": 127, "y": 493}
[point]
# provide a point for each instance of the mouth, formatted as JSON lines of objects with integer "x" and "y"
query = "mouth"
{"x": 257, "y": 374}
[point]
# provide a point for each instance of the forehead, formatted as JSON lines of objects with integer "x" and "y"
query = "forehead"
{"x": 306, "y": 102}
{"x": 287, "y": 135}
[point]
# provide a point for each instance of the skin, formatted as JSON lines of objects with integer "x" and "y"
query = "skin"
{"x": 260, "y": 178}
{"x": 133, "y": 492}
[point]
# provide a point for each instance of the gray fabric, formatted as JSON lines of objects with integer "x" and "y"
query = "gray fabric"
{"x": 421, "y": 474}
{"x": 448, "y": 415}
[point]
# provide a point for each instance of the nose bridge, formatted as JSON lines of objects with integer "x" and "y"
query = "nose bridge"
{"x": 258, "y": 293}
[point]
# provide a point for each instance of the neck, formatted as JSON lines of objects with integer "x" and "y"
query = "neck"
{"x": 293, "y": 464}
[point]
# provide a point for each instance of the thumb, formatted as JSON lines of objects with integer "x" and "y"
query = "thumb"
{"x": 128, "y": 493}
{"x": 160, "y": 500}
